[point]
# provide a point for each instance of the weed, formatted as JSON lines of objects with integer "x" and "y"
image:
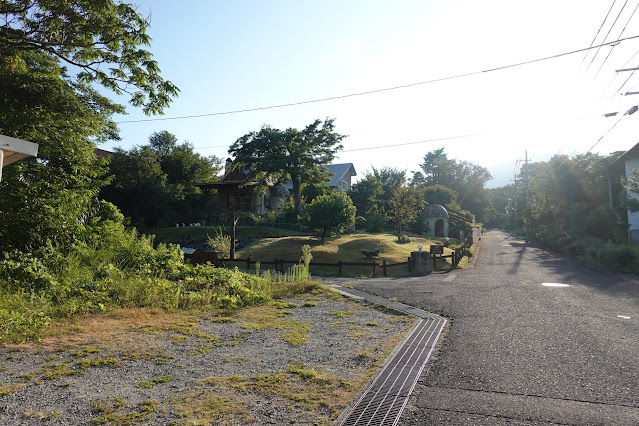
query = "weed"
{"x": 8, "y": 389}
{"x": 3, "y": 368}
{"x": 309, "y": 304}
{"x": 99, "y": 362}
{"x": 81, "y": 353}
{"x": 112, "y": 412}
{"x": 233, "y": 357}
{"x": 157, "y": 380}
{"x": 206, "y": 407}
{"x": 341, "y": 314}
{"x": 372, "y": 324}
{"x": 56, "y": 371}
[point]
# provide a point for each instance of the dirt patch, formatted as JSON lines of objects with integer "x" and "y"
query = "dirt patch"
{"x": 293, "y": 362}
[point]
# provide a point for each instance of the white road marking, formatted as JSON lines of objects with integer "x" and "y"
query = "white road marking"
{"x": 555, "y": 285}
{"x": 450, "y": 277}
{"x": 623, "y": 316}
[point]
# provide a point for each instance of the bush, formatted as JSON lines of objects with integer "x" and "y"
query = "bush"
{"x": 370, "y": 253}
{"x": 404, "y": 239}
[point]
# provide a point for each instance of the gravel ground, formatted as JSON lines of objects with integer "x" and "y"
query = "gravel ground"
{"x": 300, "y": 361}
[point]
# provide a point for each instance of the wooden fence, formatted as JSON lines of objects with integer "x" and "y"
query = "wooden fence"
{"x": 278, "y": 264}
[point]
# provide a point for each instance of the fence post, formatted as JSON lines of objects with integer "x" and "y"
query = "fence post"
{"x": 275, "y": 264}
{"x": 248, "y": 263}
{"x": 374, "y": 265}
{"x": 282, "y": 265}
{"x": 339, "y": 265}
{"x": 410, "y": 265}
{"x": 384, "y": 266}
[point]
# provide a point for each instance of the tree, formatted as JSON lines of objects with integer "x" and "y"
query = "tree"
{"x": 439, "y": 194}
{"x": 463, "y": 177}
{"x": 52, "y": 198}
{"x": 330, "y": 213}
{"x": 365, "y": 193}
{"x": 100, "y": 39}
{"x": 155, "y": 184}
{"x": 405, "y": 207}
{"x": 273, "y": 156}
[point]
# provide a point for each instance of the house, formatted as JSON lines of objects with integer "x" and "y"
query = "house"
{"x": 341, "y": 179}
{"x": 235, "y": 189}
{"x": 622, "y": 166}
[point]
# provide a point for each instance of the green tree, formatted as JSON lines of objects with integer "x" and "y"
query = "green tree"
{"x": 405, "y": 206}
{"x": 99, "y": 39}
{"x": 330, "y": 213}
{"x": 54, "y": 197}
{"x": 439, "y": 194}
{"x": 463, "y": 177}
{"x": 365, "y": 193}
{"x": 155, "y": 184}
{"x": 275, "y": 156}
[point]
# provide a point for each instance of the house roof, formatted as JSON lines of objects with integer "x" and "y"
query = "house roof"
{"x": 632, "y": 152}
{"x": 338, "y": 171}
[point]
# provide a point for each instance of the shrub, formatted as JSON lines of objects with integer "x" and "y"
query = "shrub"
{"x": 370, "y": 253}
{"x": 404, "y": 239}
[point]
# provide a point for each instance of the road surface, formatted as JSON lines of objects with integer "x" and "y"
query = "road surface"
{"x": 523, "y": 353}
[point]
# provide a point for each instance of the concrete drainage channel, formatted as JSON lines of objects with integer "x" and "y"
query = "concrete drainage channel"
{"x": 383, "y": 401}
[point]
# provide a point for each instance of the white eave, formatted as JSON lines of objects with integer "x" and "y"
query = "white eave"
{"x": 12, "y": 150}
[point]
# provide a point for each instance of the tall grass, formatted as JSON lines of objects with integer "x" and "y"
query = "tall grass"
{"x": 121, "y": 269}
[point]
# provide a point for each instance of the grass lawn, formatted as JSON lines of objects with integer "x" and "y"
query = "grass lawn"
{"x": 345, "y": 248}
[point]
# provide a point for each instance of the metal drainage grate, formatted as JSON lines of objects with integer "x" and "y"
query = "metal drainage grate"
{"x": 384, "y": 400}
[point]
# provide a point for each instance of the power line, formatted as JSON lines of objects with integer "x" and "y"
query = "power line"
{"x": 414, "y": 143}
{"x": 595, "y": 38}
{"x": 614, "y": 45}
{"x": 607, "y": 34}
{"x": 369, "y": 92}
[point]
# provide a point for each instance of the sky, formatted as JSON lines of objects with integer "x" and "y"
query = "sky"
{"x": 227, "y": 56}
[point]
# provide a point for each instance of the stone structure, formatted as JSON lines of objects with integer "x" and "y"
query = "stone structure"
{"x": 436, "y": 217}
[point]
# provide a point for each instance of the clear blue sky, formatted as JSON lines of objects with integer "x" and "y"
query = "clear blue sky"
{"x": 234, "y": 55}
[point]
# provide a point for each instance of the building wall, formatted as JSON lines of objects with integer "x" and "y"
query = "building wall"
{"x": 633, "y": 218}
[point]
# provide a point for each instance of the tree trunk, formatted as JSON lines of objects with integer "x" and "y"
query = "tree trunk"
{"x": 323, "y": 235}
{"x": 297, "y": 198}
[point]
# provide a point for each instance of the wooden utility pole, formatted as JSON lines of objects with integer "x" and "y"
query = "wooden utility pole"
{"x": 526, "y": 177}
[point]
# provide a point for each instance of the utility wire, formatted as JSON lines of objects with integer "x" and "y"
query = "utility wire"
{"x": 614, "y": 45}
{"x": 607, "y": 34}
{"x": 369, "y": 92}
{"x": 413, "y": 143}
{"x": 599, "y": 30}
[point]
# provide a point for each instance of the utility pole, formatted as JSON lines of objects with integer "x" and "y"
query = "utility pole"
{"x": 527, "y": 198}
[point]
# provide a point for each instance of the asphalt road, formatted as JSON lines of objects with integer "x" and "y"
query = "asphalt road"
{"x": 521, "y": 353}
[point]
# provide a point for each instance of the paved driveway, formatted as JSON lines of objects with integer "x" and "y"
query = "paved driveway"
{"x": 522, "y": 353}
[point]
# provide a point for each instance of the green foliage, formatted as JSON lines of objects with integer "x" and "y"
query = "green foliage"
{"x": 111, "y": 268}
{"x": 366, "y": 192}
{"x": 370, "y": 253}
{"x": 52, "y": 198}
{"x": 155, "y": 185}
{"x": 464, "y": 178}
{"x": 404, "y": 208}
{"x": 375, "y": 219}
{"x": 278, "y": 156}
{"x": 330, "y": 213}
{"x": 439, "y": 194}
{"x": 220, "y": 242}
{"x": 100, "y": 40}
{"x": 404, "y": 239}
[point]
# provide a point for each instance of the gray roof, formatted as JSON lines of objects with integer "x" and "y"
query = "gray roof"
{"x": 435, "y": 210}
{"x": 338, "y": 171}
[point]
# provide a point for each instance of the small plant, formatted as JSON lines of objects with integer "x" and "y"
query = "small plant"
{"x": 220, "y": 242}
{"x": 309, "y": 304}
{"x": 341, "y": 314}
{"x": 404, "y": 239}
{"x": 372, "y": 324}
{"x": 370, "y": 253}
